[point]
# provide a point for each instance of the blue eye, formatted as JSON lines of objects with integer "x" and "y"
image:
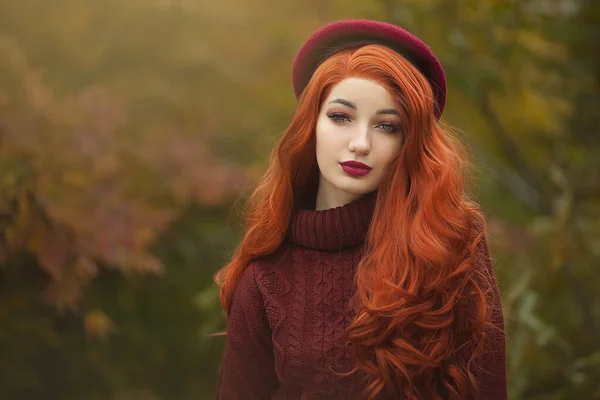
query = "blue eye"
{"x": 389, "y": 127}
{"x": 341, "y": 117}
{"x": 338, "y": 117}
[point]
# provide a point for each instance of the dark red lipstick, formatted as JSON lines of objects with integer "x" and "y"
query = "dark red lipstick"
{"x": 355, "y": 168}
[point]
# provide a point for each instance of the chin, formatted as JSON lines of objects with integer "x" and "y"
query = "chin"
{"x": 351, "y": 185}
{"x": 358, "y": 188}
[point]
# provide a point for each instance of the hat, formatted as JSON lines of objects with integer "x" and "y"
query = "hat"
{"x": 340, "y": 35}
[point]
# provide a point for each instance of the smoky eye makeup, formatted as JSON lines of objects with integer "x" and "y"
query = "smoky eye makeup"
{"x": 384, "y": 125}
{"x": 337, "y": 115}
{"x": 389, "y": 124}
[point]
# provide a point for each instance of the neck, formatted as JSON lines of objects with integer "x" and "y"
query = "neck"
{"x": 327, "y": 200}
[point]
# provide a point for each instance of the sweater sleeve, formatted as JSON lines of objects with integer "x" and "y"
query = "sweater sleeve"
{"x": 491, "y": 365}
{"x": 247, "y": 371}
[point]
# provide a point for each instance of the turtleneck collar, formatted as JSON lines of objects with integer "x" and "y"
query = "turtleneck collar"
{"x": 335, "y": 228}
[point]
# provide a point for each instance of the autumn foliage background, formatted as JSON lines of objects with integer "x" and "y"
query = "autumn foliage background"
{"x": 131, "y": 132}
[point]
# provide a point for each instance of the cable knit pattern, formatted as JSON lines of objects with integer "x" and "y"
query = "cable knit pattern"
{"x": 272, "y": 285}
{"x": 286, "y": 332}
{"x": 298, "y": 308}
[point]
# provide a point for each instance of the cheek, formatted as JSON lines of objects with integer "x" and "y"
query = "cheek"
{"x": 328, "y": 141}
{"x": 390, "y": 150}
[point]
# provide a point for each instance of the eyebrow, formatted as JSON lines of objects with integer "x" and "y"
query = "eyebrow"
{"x": 353, "y": 106}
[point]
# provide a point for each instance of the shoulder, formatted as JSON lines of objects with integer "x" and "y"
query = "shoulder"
{"x": 258, "y": 267}
{"x": 272, "y": 272}
{"x": 246, "y": 291}
{"x": 267, "y": 285}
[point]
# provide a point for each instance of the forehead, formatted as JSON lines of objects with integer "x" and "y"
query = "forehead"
{"x": 361, "y": 91}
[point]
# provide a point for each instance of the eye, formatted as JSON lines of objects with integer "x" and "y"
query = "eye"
{"x": 388, "y": 127}
{"x": 338, "y": 117}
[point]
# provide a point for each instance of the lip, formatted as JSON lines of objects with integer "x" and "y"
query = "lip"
{"x": 356, "y": 164}
{"x": 355, "y": 168}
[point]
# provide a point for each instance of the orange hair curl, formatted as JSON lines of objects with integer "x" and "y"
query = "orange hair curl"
{"x": 420, "y": 304}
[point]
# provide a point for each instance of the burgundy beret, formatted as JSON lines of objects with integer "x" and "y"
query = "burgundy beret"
{"x": 339, "y": 35}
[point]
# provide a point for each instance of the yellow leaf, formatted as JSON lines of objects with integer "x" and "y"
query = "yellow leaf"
{"x": 97, "y": 324}
{"x": 75, "y": 178}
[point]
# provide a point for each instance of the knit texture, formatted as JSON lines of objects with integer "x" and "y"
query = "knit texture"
{"x": 286, "y": 331}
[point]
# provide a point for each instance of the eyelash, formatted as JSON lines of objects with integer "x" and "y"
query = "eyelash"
{"x": 334, "y": 118}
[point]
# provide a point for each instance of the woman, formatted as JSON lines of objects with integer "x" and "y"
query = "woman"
{"x": 364, "y": 272}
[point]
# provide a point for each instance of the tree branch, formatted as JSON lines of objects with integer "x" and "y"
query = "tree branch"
{"x": 514, "y": 182}
{"x": 509, "y": 147}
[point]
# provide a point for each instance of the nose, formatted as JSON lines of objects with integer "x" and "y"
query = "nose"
{"x": 360, "y": 142}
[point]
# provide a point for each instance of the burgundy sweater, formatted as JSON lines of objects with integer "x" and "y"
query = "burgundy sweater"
{"x": 285, "y": 333}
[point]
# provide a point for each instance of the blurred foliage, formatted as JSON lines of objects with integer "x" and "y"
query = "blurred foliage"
{"x": 129, "y": 128}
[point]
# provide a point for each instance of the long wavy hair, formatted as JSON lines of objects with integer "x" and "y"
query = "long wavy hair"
{"x": 420, "y": 305}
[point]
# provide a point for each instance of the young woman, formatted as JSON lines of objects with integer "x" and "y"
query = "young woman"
{"x": 364, "y": 272}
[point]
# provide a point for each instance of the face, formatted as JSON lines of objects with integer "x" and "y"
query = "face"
{"x": 359, "y": 121}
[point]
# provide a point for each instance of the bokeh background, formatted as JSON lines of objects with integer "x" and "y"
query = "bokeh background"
{"x": 131, "y": 132}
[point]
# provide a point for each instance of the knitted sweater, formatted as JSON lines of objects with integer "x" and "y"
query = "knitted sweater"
{"x": 286, "y": 330}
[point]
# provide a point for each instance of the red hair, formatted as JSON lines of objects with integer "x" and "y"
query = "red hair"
{"x": 420, "y": 300}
